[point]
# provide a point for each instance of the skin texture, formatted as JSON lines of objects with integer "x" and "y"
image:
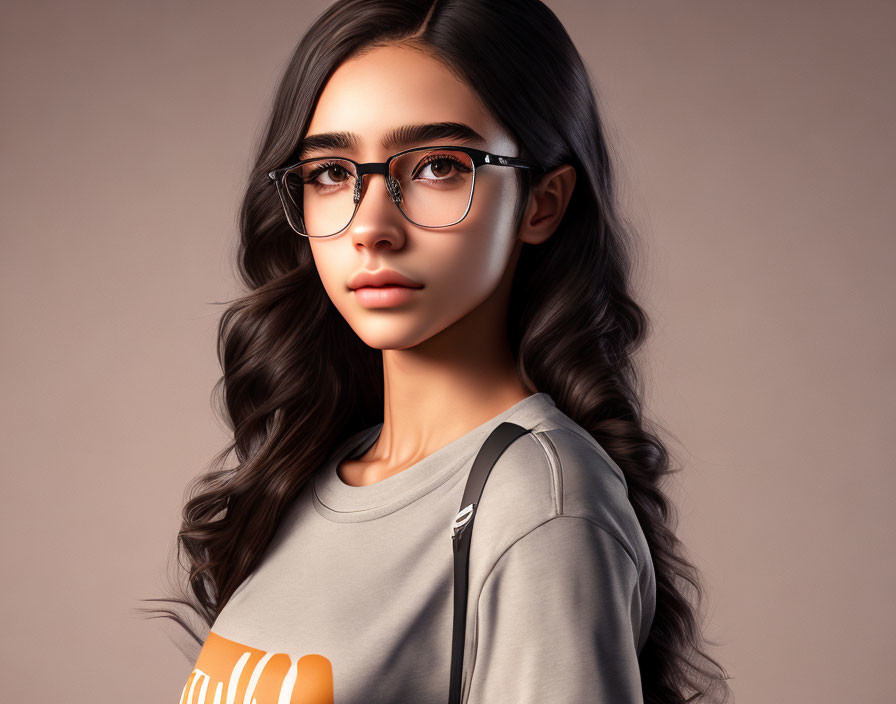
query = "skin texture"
{"x": 447, "y": 365}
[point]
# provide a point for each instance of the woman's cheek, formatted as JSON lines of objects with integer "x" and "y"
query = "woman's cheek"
{"x": 334, "y": 272}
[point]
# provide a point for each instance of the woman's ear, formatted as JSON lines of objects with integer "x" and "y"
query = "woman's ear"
{"x": 548, "y": 199}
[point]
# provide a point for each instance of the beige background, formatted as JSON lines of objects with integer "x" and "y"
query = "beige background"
{"x": 757, "y": 150}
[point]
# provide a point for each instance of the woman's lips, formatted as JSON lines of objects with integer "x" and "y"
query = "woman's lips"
{"x": 384, "y": 296}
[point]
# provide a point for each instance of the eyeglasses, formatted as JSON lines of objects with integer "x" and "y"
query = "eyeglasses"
{"x": 431, "y": 186}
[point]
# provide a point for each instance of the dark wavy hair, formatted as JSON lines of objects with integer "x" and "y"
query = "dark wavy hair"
{"x": 297, "y": 380}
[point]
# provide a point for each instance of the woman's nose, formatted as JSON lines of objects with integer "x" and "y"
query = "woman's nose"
{"x": 377, "y": 213}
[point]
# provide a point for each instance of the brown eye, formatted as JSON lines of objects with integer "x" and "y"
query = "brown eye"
{"x": 335, "y": 173}
{"x": 440, "y": 167}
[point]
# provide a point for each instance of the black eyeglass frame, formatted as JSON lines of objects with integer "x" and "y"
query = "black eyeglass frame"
{"x": 478, "y": 157}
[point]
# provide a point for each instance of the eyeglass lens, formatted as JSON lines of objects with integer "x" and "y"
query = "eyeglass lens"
{"x": 433, "y": 188}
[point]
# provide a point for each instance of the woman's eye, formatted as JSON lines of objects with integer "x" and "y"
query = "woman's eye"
{"x": 438, "y": 169}
{"x": 335, "y": 173}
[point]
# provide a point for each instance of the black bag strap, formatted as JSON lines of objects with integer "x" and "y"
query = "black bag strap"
{"x": 462, "y": 530}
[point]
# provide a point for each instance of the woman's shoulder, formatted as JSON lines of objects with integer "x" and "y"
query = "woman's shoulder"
{"x": 557, "y": 470}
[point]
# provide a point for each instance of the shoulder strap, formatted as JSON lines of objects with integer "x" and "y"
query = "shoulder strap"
{"x": 462, "y": 529}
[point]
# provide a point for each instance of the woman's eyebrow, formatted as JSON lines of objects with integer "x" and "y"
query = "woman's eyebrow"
{"x": 396, "y": 138}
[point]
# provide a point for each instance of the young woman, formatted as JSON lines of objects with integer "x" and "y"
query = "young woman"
{"x": 431, "y": 247}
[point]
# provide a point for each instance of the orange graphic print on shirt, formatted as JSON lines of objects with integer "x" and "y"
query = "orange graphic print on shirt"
{"x": 227, "y": 672}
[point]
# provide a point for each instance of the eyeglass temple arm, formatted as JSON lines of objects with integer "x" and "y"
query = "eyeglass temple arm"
{"x": 507, "y": 161}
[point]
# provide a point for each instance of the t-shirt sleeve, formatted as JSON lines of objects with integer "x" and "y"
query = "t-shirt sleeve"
{"x": 558, "y": 620}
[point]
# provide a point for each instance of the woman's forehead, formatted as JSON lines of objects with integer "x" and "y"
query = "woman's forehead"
{"x": 374, "y": 95}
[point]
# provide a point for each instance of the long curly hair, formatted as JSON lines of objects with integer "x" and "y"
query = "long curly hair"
{"x": 297, "y": 380}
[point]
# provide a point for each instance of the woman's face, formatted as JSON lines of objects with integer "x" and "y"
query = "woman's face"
{"x": 459, "y": 266}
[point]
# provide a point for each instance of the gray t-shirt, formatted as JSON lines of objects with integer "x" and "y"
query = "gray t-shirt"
{"x": 352, "y": 602}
